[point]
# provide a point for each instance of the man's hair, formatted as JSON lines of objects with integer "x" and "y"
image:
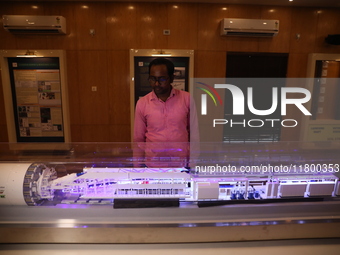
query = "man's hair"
{"x": 163, "y": 61}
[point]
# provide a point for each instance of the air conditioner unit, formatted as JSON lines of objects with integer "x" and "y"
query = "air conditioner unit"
{"x": 249, "y": 27}
{"x": 22, "y": 24}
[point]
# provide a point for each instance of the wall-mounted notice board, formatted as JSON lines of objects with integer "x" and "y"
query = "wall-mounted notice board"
{"x": 37, "y": 99}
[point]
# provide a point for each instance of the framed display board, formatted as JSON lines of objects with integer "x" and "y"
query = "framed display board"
{"x": 35, "y": 97}
{"x": 323, "y": 75}
{"x": 139, "y": 71}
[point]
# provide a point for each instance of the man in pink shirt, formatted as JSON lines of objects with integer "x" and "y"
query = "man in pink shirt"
{"x": 163, "y": 115}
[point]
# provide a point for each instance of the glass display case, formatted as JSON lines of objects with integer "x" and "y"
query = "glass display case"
{"x": 182, "y": 185}
{"x": 105, "y": 173}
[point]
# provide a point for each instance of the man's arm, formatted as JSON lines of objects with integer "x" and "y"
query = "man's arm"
{"x": 139, "y": 124}
{"x": 139, "y": 136}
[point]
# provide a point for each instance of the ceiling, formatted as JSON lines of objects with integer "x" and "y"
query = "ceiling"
{"x": 306, "y": 3}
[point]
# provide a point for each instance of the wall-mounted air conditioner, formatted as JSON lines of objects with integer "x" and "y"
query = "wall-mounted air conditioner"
{"x": 249, "y": 27}
{"x": 23, "y": 24}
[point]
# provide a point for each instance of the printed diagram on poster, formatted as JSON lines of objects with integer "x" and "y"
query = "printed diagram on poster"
{"x": 179, "y": 79}
{"x": 38, "y": 95}
{"x": 37, "y": 98}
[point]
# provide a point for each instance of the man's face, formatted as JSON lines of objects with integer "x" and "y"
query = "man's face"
{"x": 160, "y": 80}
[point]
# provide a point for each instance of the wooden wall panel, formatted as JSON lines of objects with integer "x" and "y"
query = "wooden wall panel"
{"x": 279, "y": 43}
{"x": 304, "y": 23}
{"x": 102, "y": 60}
{"x": 27, "y": 8}
{"x": 90, "y": 15}
{"x": 31, "y": 42}
{"x": 208, "y": 33}
{"x": 183, "y": 24}
{"x": 244, "y": 11}
{"x": 95, "y": 133}
{"x": 8, "y": 40}
{"x": 328, "y": 23}
{"x": 120, "y": 133}
{"x": 152, "y": 19}
{"x": 68, "y": 41}
{"x": 121, "y": 19}
{"x": 73, "y": 87}
{"x": 3, "y": 133}
{"x": 119, "y": 87}
{"x": 76, "y": 133}
{"x": 297, "y": 65}
{"x": 210, "y": 64}
{"x": 92, "y": 71}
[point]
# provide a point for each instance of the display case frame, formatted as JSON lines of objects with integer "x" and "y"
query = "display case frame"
{"x": 226, "y": 220}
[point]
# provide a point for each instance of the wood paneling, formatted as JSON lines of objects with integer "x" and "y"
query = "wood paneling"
{"x": 121, "y": 19}
{"x": 3, "y": 133}
{"x": 95, "y": 133}
{"x": 76, "y": 133}
{"x": 90, "y": 15}
{"x": 183, "y": 24}
{"x": 8, "y": 40}
{"x": 152, "y": 19}
{"x": 210, "y": 64}
{"x": 209, "y": 18}
{"x": 328, "y": 23}
{"x": 102, "y": 60}
{"x": 119, "y": 87}
{"x": 297, "y": 65}
{"x": 304, "y": 23}
{"x": 120, "y": 133}
{"x": 92, "y": 71}
{"x": 244, "y": 11}
{"x": 279, "y": 43}
{"x": 73, "y": 87}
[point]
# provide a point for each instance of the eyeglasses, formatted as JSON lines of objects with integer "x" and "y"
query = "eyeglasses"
{"x": 162, "y": 79}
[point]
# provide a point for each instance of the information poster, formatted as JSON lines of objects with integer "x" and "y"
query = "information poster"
{"x": 37, "y": 104}
{"x": 142, "y": 86}
{"x": 325, "y": 132}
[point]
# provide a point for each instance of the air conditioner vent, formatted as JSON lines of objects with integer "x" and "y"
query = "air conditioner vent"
{"x": 23, "y": 24}
{"x": 260, "y": 34}
{"x": 249, "y": 27}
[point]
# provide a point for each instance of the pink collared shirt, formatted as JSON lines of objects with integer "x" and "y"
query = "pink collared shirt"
{"x": 159, "y": 121}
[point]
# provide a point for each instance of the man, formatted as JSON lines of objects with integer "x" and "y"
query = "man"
{"x": 163, "y": 115}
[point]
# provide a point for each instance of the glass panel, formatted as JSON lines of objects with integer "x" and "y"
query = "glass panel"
{"x": 102, "y": 173}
